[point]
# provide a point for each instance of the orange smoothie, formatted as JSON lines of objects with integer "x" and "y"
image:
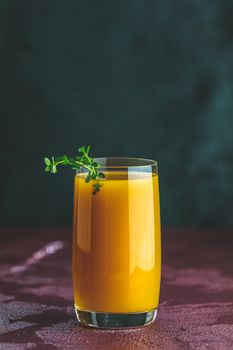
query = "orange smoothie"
{"x": 116, "y": 243}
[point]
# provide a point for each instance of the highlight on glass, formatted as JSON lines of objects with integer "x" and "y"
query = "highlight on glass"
{"x": 117, "y": 244}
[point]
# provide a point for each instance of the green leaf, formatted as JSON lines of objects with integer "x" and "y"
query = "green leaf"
{"x": 47, "y": 161}
{"x": 54, "y": 169}
{"x": 88, "y": 178}
{"x": 48, "y": 168}
{"x": 65, "y": 160}
{"x": 85, "y": 160}
{"x": 101, "y": 175}
{"x": 81, "y": 149}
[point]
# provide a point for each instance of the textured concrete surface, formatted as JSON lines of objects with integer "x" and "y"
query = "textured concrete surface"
{"x": 196, "y": 307}
{"x": 138, "y": 78}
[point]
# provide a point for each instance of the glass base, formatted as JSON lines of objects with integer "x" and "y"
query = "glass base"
{"x": 115, "y": 320}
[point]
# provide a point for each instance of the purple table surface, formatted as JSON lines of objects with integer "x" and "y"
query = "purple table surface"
{"x": 36, "y": 307}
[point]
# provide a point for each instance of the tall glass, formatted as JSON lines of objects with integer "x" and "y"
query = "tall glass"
{"x": 117, "y": 245}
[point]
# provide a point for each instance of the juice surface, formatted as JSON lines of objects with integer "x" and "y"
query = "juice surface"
{"x": 116, "y": 243}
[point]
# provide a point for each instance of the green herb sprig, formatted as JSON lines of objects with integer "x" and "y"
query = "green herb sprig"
{"x": 83, "y": 160}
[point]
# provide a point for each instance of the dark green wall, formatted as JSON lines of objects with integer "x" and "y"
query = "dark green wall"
{"x": 133, "y": 78}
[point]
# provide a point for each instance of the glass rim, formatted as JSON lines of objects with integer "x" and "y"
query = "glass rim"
{"x": 125, "y": 162}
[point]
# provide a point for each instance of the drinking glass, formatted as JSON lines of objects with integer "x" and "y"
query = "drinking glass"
{"x": 117, "y": 244}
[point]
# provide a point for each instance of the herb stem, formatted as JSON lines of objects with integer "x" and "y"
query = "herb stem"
{"x": 83, "y": 160}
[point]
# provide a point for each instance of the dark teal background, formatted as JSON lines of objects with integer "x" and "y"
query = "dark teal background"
{"x": 139, "y": 78}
